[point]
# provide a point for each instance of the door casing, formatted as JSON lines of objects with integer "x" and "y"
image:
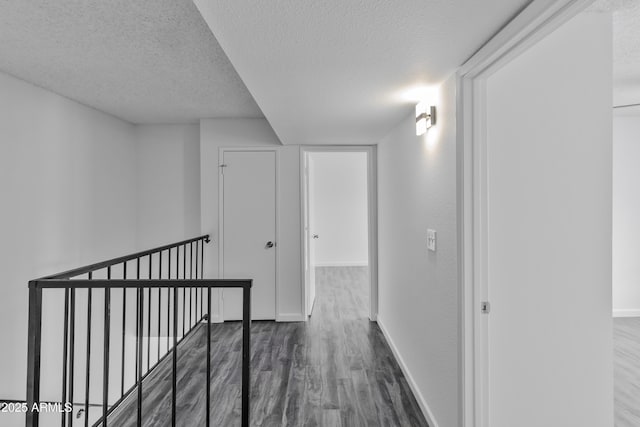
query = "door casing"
{"x": 535, "y": 22}
{"x": 308, "y": 252}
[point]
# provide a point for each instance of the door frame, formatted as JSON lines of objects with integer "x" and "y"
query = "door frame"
{"x": 305, "y": 195}
{"x": 536, "y": 21}
{"x": 221, "y": 151}
{"x": 372, "y": 212}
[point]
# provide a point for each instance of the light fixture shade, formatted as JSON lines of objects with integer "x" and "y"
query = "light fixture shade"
{"x": 421, "y": 120}
{"x": 425, "y": 117}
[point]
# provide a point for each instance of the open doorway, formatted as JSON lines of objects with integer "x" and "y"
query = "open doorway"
{"x": 626, "y": 208}
{"x": 625, "y": 266}
{"x": 338, "y": 207}
{"x": 536, "y": 227}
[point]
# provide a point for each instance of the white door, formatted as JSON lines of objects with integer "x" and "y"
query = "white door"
{"x": 547, "y": 259}
{"x": 309, "y": 233}
{"x": 249, "y": 230}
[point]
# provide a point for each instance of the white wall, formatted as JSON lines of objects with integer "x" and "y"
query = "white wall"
{"x": 549, "y": 157}
{"x": 338, "y": 184}
{"x": 168, "y": 184}
{"x": 66, "y": 174}
{"x": 626, "y": 215}
{"x": 418, "y": 291}
{"x": 217, "y": 133}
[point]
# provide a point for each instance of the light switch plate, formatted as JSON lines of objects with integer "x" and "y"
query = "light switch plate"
{"x": 431, "y": 240}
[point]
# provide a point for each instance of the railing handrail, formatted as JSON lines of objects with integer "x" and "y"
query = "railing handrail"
{"x": 119, "y": 260}
{"x": 138, "y": 283}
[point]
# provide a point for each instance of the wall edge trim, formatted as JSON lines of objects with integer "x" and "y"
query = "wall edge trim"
{"x": 626, "y": 312}
{"x": 290, "y": 317}
{"x": 342, "y": 264}
{"x": 216, "y": 318}
{"x": 424, "y": 406}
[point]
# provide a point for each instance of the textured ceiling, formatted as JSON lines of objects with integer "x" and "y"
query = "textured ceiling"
{"x": 626, "y": 51}
{"x": 626, "y": 55}
{"x": 146, "y": 61}
{"x": 334, "y": 71}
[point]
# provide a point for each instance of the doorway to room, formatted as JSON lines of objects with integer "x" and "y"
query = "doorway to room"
{"x": 625, "y": 291}
{"x": 531, "y": 266}
{"x": 337, "y": 207}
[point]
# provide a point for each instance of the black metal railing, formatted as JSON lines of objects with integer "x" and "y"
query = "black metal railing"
{"x": 177, "y": 273}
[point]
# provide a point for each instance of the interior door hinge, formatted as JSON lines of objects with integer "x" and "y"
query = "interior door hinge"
{"x": 485, "y": 307}
{"x": 222, "y": 166}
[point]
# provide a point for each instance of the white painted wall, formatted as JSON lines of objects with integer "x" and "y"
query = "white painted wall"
{"x": 626, "y": 215}
{"x": 168, "y": 184}
{"x": 66, "y": 174}
{"x": 216, "y": 133}
{"x": 418, "y": 291}
{"x": 549, "y": 182}
{"x": 338, "y": 184}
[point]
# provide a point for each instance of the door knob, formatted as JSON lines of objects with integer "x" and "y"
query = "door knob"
{"x": 315, "y": 236}
{"x": 270, "y": 244}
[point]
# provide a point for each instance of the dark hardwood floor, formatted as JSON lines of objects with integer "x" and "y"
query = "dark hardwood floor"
{"x": 626, "y": 356}
{"x": 335, "y": 370}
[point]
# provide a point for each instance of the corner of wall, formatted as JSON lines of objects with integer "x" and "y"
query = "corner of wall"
{"x": 424, "y": 406}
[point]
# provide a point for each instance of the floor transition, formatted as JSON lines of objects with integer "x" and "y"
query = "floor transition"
{"x": 335, "y": 370}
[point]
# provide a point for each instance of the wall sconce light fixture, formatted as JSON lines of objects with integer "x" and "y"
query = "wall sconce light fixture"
{"x": 424, "y": 119}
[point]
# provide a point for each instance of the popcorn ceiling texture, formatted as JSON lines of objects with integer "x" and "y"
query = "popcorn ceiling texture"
{"x": 626, "y": 54}
{"x": 145, "y": 61}
{"x": 333, "y": 71}
{"x": 626, "y": 50}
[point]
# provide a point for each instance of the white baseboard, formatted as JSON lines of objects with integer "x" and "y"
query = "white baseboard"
{"x": 290, "y": 317}
{"x": 626, "y": 312}
{"x": 217, "y": 319}
{"x": 342, "y": 264}
{"x": 426, "y": 411}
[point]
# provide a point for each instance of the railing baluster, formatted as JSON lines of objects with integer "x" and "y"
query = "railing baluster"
{"x": 174, "y": 372}
{"x": 139, "y": 346}
{"x": 65, "y": 347}
{"x": 168, "y": 297}
{"x": 246, "y": 353}
{"x": 190, "y": 287}
{"x": 208, "y": 378}
{"x": 201, "y": 274}
{"x": 159, "y": 302}
{"x": 149, "y": 320}
{"x": 137, "y": 318}
{"x": 88, "y": 364}
{"x": 105, "y": 356}
{"x": 34, "y": 352}
{"x": 124, "y": 327}
{"x": 72, "y": 339}
{"x": 175, "y": 296}
{"x": 198, "y": 311}
{"x": 184, "y": 290}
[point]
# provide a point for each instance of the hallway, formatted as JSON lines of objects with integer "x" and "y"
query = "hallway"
{"x": 335, "y": 370}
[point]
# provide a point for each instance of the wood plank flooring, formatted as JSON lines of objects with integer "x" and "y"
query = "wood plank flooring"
{"x": 626, "y": 340}
{"x": 335, "y": 370}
